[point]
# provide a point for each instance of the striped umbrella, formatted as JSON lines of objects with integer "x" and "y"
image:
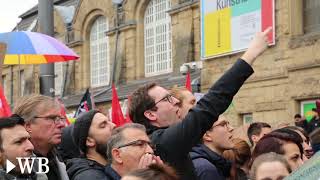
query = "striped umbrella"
{"x": 25, "y": 47}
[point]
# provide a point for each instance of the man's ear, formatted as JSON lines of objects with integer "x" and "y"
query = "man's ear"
{"x": 254, "y": 138}
{"x": 207, "y": 137}
{"x": 116, "y": 155}
{"x": 150, "y": 115}
{"x": 90, "y": 142}
{"x": 27, "y": 126}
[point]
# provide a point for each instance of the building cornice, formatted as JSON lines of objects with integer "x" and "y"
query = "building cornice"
{"x": 183, "y": 6}
{"x": 131, "y": 24}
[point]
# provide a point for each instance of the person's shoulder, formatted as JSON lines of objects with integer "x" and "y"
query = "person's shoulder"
{"x": 80, "y": 168}
{"x": 156, "y": 134}
{"x": 206, "y": 170}
{"x": 90, "y": 174}
{"x": 204, "y": 164}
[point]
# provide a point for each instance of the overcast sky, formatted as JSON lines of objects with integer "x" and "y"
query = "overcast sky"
{"x": 10, "y": 10}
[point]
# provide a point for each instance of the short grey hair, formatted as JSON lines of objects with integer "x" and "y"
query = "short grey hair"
{"x": 267, "y": 157}
{"x": 32, "y": 105}
{"x": 117, "y": 137}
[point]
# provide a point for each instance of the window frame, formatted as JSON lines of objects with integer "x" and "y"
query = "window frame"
{"x": 245, "y": 116}
{"x": 313, "y": 28}
{"x": 157, "y": 45}
{"x": 99, "y": 75}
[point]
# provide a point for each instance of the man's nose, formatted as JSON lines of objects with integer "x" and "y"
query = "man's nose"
{"x": 230, "y": 128}
{"x": 60, "y": 124}
{"x": 29, "y": 146}
{"x": 149, "y": 149}
{"x": 300, "y": 161}
{"x": 112, "y": 124}
{"x": 175, "y": 101}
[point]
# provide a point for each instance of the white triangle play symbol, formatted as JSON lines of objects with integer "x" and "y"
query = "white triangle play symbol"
{"x": 10, "y": 166}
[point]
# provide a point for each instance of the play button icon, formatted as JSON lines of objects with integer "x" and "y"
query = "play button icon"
{"x": 9, "y": 166}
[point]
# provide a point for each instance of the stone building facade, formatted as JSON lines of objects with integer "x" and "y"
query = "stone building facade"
{"x": 286, "y": 75}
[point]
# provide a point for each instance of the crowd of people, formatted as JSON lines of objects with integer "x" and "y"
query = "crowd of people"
{"x": 172, "y": 137}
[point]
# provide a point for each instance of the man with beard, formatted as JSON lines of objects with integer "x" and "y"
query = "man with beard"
{"x": 91, "y": 133}
{"x": 14, "y": 142}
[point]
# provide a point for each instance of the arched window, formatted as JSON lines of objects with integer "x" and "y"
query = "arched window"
{"x": 99, "y": 53}
{"x": 157, "y": 38}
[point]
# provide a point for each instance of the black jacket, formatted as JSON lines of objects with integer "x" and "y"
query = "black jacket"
{"x": 85, "y": 169}
{"x": 112, "y": 174}
{"x": 313, "y": 124}
{"x": 67, "y": 149}
{"x": 174, "y": 143}
{"x": 208, "y": 164}
{"x": 9, "y": 176}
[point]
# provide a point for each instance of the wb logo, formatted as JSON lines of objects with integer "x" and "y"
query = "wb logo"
{"x": 26, "y": 165}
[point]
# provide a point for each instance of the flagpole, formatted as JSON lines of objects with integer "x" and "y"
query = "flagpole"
{"x": 19, "y": 77}
{"x": 11, "y": 86}
{"x": 46, "y": 26}
{"x": 114, "y": 65}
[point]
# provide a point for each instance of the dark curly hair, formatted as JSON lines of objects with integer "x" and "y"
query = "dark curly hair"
{"x": 140, "y": 102}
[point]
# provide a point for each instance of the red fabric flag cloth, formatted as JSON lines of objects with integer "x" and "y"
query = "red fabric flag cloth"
{"x": 117, "y": 116}
{"x": 4, "y": 107}
{"x": 188, "y": 82}
{"x": 128, "y": 119}
{"x": 63, "y": 112}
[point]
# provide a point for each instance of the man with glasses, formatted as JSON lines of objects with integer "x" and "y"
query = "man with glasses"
{"x": 90, "y": 133}
{"x": 207, "y": 157}
{"x": 129, "y": 148}
{"x": 44, "y": 122}
{"x": 154, "y": 107}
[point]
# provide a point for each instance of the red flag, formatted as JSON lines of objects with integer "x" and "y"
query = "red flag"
{"x": 188, "y": 82}
{"x": 4, "y": 107}
{"x": 63, "y": 111}
{"x": 128, "y": 120}
{"x": 117, "y": 116}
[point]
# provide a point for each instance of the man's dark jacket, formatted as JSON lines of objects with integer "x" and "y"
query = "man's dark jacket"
{"x": 174, "y": 143}
{"x": 83, "y": 169}
{"x": 112, "y": 174}
{"x": 208, "y": 164}
{"x": 67, "y": 149}
{"x": 313, "y": 124}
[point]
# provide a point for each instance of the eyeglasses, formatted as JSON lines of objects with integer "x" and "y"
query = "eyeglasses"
{"x": 55, "y": 119}
{"x": 223, "y": 124}
{"x": 168, "y": 98}
{"x": 141, "y": 143}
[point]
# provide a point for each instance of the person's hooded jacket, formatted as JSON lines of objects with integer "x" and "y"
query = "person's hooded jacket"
{"x": 83, "y": 169}
{"x": 208, "y": 164}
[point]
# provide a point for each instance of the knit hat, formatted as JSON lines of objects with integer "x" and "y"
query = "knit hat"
{"x": 81, "y": 129}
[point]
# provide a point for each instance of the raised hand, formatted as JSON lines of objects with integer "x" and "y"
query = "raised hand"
{"x": 148, "y": 159}
{"x": 257, "y": 46}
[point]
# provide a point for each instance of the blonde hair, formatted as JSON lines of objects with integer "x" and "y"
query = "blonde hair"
{"x": 177, "y": 93}
{"x": 268, "y": 157}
